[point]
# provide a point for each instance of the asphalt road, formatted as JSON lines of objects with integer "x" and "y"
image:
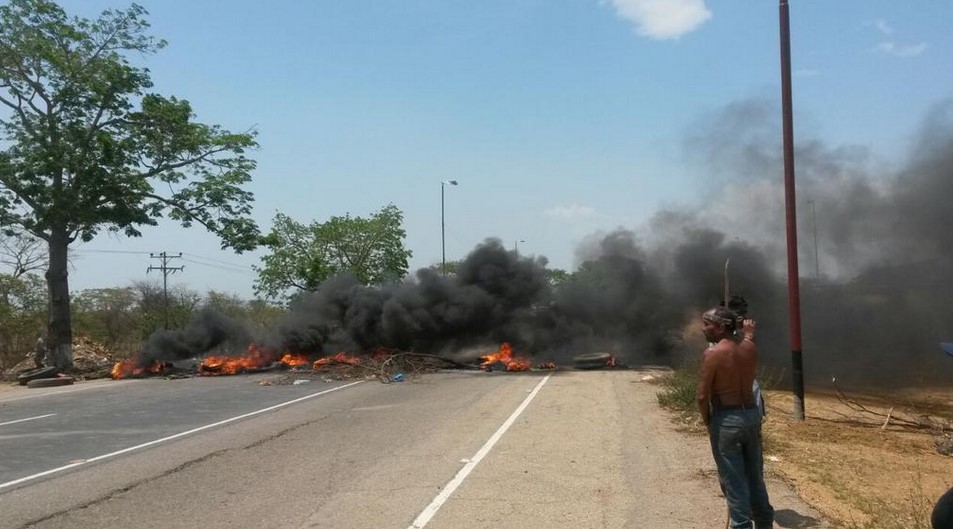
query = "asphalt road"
{"x": 443, "y": 451}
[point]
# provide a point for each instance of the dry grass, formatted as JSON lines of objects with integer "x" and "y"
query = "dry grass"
{"x": 856, "y": 472}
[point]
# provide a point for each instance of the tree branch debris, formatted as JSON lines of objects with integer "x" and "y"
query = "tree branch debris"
{"x": 912, "y": 420}
{"x": 390, "y": 367}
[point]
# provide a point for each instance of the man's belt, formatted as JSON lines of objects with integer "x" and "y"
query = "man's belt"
{"x": 735, "y": 407}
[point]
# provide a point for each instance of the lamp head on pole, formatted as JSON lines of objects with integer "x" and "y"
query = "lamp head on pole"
{"x": 448, "y": 182}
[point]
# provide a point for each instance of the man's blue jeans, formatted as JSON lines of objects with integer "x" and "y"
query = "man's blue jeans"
{"x": 736, "y": 445}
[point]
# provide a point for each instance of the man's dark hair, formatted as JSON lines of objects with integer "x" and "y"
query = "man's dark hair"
{"x": 739, "y": 306}
{"x": 721, "y": 316}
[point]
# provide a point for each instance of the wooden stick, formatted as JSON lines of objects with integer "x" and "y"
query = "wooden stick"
{"x": 886, "y": 422}
{"x": 726, "y": 281}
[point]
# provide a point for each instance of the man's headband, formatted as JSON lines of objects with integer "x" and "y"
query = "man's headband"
{"x": 714, "y": 318}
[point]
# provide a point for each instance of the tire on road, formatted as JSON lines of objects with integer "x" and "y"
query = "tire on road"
{"x": 50, "y": 382}
{"x": 35, "y": 374}
{"x": 591, "y": 360}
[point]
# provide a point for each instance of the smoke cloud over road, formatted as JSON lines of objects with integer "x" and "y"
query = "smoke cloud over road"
{"x": 876, "y": 297}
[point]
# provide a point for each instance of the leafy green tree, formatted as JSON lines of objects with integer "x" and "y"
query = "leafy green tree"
{"x": 257, "y": 313}
{"x": 264, "y": 315}
{"x": 449, "y": 268}
{"x": 303, "y": 256}
{"x": 85, "y": 147}
{"x": 225, "y": 303}
{"x": 180, "y": 306}
{"x": 22, "y": 304}
{"x": 121, "y": 318}
{"x": 557, "y": 276}
{"x": 108, "y": 315}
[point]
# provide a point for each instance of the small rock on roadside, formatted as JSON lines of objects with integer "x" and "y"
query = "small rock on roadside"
{"x": 944, "y": 444}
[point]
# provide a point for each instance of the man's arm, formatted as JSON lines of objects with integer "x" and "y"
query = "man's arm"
{"x": 706, "y": 378}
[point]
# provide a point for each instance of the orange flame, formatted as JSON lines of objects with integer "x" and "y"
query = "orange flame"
{"x": 255, "y": 358}
{"x": 340, "y": 358}
{"x": 294, "y": 360}
{"x": 381, "y": 353}
{"x": 130, "y": 368}
{"x": 505, "y": 355}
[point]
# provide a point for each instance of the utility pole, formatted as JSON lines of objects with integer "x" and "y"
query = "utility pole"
{"x": 166, "y": 270}
{"x": 794, "y": 285}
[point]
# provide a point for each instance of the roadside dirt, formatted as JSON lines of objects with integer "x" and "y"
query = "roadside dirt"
{"x": 855, "y": 467}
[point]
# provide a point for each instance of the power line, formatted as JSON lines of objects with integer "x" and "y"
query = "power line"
{"x": 229, "y": 263}
{"x": 227, "y": 269}
{"x": 91, "y": 250}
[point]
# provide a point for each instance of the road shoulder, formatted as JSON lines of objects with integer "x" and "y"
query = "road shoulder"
{"x": 595, "y": 450}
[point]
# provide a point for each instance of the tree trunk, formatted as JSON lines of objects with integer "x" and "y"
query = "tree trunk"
{"x": 60, "y": 339}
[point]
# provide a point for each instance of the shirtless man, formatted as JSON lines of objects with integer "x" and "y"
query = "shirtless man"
{"x": 744, "y": 330}
{"x": 728, "y": 408}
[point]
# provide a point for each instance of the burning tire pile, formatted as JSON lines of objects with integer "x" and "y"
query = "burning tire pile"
{"x": 383, "y": 364}
{"x": 386, "y": 365}
{"x": 594, "y": 361}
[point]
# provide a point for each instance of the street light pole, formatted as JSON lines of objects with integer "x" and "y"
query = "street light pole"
{"x": 443, "y": 228}
{"x": 516, "y": 245}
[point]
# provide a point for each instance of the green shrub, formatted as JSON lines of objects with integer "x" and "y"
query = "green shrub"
{"x": 678, "y": 391}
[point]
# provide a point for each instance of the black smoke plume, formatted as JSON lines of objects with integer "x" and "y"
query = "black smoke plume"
{"x": 207, "y": 331}
{"x": 877, "y": 295}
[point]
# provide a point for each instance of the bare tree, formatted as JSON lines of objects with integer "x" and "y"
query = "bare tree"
{"x": 21, "y": 253}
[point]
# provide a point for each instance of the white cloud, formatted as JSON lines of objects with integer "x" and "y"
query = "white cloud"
{"x": 892, "y": 47}
{"x": 882, "y": 26}
{"x": 901, "y": 50}
{"x": 663, "y": 19}
{"x": 572, "y": 212}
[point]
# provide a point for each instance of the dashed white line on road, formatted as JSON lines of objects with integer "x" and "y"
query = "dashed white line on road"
{"x": 27, "y": 419}
{"x": 169, "y": 438}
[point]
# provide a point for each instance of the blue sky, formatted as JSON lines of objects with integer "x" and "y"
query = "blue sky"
{"x": 559, "y": 118}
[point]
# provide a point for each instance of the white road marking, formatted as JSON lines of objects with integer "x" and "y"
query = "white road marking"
{"x": 374, "y": 408}
{"x": 27, "y": 419}
{"x": 169, "y": 438}
{"x": 73, "y": 390}
{"x": 424, "y": 517}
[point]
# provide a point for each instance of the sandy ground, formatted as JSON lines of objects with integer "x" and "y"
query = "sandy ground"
{"x": 856, "y": 467}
